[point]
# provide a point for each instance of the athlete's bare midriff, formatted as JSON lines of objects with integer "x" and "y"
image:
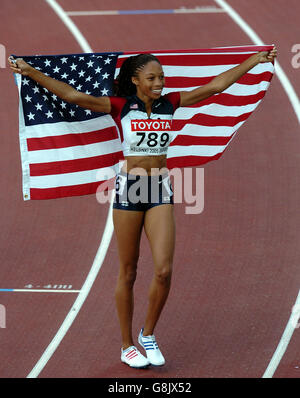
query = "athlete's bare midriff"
{"x": 145, "y": 165}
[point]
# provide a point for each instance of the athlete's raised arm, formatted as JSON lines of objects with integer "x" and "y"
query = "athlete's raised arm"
{"x": 225, "y": 79}
{"x": 61, "y": 89}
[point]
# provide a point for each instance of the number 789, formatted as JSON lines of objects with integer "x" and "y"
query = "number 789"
{"x": 153, "y": 139}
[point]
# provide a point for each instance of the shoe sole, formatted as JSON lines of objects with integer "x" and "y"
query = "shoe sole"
{"x": 158, "y": 366}
{"x": 136, "y": 367}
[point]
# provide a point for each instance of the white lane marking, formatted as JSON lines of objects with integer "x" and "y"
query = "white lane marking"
{"x": 106, "y": 237}
{"x": 198, "y": 10}
{"x": 284, "y": 341}
{"x": 286, "y": 84}
{"x": 81, "y": 40}
{"x": 41, "y": 290}
{"x": 182, "y": 10}
{"x": 289, "y": 89}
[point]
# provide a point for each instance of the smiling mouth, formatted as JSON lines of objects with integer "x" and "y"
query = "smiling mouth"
{"x": 157, "y": 91}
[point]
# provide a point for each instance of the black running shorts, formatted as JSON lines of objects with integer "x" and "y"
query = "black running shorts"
{"x": 140, "y": 193}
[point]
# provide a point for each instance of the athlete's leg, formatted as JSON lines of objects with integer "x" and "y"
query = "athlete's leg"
{"x": 128, "y": 227}
{"x": 159, "y": 226}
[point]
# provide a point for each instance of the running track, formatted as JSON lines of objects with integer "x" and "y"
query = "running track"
{"x": 236, "y": 270}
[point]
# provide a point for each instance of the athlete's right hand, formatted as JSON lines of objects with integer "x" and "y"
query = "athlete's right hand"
{"x": 19, "y": 66}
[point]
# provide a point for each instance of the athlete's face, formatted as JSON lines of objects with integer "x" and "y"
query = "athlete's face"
{"x": 150, "y": 80}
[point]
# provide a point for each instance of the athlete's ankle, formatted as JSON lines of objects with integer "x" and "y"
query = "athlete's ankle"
{"x": 148, "y": 332}
{"x": 127, "y": 345}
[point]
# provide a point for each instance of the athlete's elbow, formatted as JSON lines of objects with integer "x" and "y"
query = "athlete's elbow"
{"x": 218, "y": 84}
{"x": 216, "y": 88}
{"x": 72, "y": 97}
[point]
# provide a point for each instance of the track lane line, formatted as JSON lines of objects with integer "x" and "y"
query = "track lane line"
{"x": 284, "y": 341}
{"x": 40, "y": 290}
{"x": 106, "y": 237}
{"x": 81, "y": 40}
{"x": 182, "y": 10}
{"x": 98, "y": 261}
{"x": 294, "y": 100}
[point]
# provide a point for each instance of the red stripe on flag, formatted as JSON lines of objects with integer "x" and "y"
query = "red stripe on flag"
{"x": 67, "y": 140}
{"x": 185, "y": 82}
{"x": 61, "y": 192}
{"x": 231, "y": 100}
{"x": 186, "y": 140}
{"x": 202, "y": 60}
{"x": 75, "y": 165}
{"x": 190, "y": 161}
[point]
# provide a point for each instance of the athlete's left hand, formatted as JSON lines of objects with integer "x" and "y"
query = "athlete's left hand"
{"x": 19, "y": 66}
{"x": 268, "y": 56}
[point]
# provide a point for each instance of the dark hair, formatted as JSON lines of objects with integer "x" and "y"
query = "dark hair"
{"x": 123, "y": 85}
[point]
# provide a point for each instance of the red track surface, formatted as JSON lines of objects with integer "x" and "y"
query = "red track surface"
{"x": 236, "y": 271}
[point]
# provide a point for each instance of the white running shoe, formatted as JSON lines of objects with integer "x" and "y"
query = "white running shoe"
{"x": 132, "y": 357}
{"x": 153, "y": 352}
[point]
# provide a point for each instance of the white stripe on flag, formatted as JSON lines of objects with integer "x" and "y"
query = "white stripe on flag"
{"x": 62, "y": 128}
{"x": 207, "y": 70}
{"x": 208, "y": 131}
{"x": 74, "y": 152}
{"x": 159, "y": 54}
{"x": 215, "y": 110}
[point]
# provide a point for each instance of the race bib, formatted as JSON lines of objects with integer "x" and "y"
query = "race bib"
{"x": 151, "y": 136}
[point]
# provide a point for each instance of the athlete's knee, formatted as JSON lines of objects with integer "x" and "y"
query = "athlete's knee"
{"x": 130, "y": 277}
{"x": 163, "y": 273}
{"x": 128, "y": 273}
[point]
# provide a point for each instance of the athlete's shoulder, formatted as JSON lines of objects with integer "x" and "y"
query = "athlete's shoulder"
{"x": 173, "y": 98}
{"x": 117, "y": 104}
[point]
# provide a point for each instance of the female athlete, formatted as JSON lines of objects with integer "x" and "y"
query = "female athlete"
{"x": 139, "y": 104}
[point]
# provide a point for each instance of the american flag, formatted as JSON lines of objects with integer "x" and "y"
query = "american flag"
{"x": 65, "y": 148}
